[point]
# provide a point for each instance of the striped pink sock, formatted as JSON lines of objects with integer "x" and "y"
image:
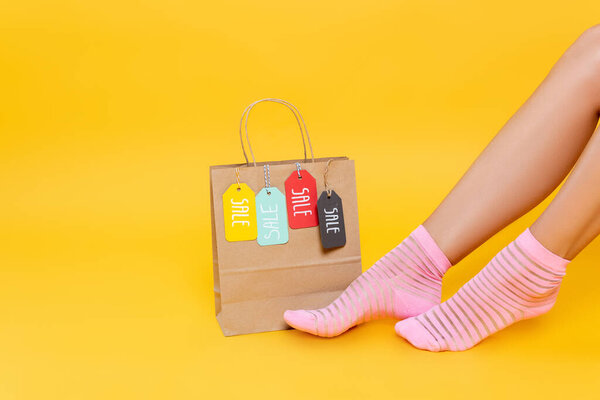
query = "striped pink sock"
{"x": 405, "y": 282}
{"x": 521, "y": 282}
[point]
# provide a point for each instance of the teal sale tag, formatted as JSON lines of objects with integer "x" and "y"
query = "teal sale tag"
{"x": 271, "y": 217}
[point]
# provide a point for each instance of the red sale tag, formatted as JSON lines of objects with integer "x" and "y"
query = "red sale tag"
{"x": 301, "y": 199}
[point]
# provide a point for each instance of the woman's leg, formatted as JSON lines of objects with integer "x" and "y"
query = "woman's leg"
{"x": 572, "y": 220}
{"x": 523, "y": 280}
{"x": 523, "y": 164}
{"x": 528, "y": 158}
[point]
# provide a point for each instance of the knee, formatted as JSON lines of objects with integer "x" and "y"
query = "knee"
{"x": 589, "y": 44}
{"x": 592, "y": 33}
{"x": 584, "y": 56}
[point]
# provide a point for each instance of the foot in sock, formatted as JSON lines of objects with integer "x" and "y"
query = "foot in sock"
{"x": 405, "y": 282}
{"x": 521, "y": 282}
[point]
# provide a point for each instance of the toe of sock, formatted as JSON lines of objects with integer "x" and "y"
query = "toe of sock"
{"x": 301, "y": 320}
{"x": 413, "y": 332}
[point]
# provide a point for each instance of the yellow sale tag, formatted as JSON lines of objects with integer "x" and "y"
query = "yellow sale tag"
{"x": 239, "y": 211}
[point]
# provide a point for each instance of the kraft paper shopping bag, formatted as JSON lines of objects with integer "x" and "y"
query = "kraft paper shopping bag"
{"x": 253, "y": 283}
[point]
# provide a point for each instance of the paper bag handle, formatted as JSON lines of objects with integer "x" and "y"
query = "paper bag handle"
{"x": 299, "y": 120}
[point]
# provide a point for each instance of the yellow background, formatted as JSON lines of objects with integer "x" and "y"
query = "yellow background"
{"x": 112, "y": 111}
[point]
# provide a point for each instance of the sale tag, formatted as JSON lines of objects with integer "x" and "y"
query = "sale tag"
{"x": 271, "y": 217}
{"x": 331, "y": 220}
{"x": 240, "y": 213}
{"x": 301, "y": 199}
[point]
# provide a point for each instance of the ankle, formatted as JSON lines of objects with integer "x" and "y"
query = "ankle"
{"x": 436, "y": 256}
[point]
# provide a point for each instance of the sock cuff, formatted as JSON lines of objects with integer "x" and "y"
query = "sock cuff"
{"x": 539, "y": 253}
{"x": 430, "y": 247}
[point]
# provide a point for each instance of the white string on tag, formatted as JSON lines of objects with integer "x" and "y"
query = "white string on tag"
{"x": 298, "y": 168}
{"x": 301, "y": 199}
{"x": 271, "y": 213}
{"x": 267, "y": 172}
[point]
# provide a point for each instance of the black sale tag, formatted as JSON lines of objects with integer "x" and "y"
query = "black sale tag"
{"x": 331, "y": 220}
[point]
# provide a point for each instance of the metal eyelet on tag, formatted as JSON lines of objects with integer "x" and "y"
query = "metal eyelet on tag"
{"x": 239, "y": 212}
{"x": 271, "y": 214}
{"x": 331, "y": 216}
{"x": 301, "y": 199}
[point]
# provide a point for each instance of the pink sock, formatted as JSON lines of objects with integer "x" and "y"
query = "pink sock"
{"x": 405, "y": 282}
{"x": 521, "y": 282}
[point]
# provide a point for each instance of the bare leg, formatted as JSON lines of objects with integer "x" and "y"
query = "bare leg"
{"x": 572, "y": 220}
{"x": 528, "y": 158}
{"x": 523, "y": 280}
